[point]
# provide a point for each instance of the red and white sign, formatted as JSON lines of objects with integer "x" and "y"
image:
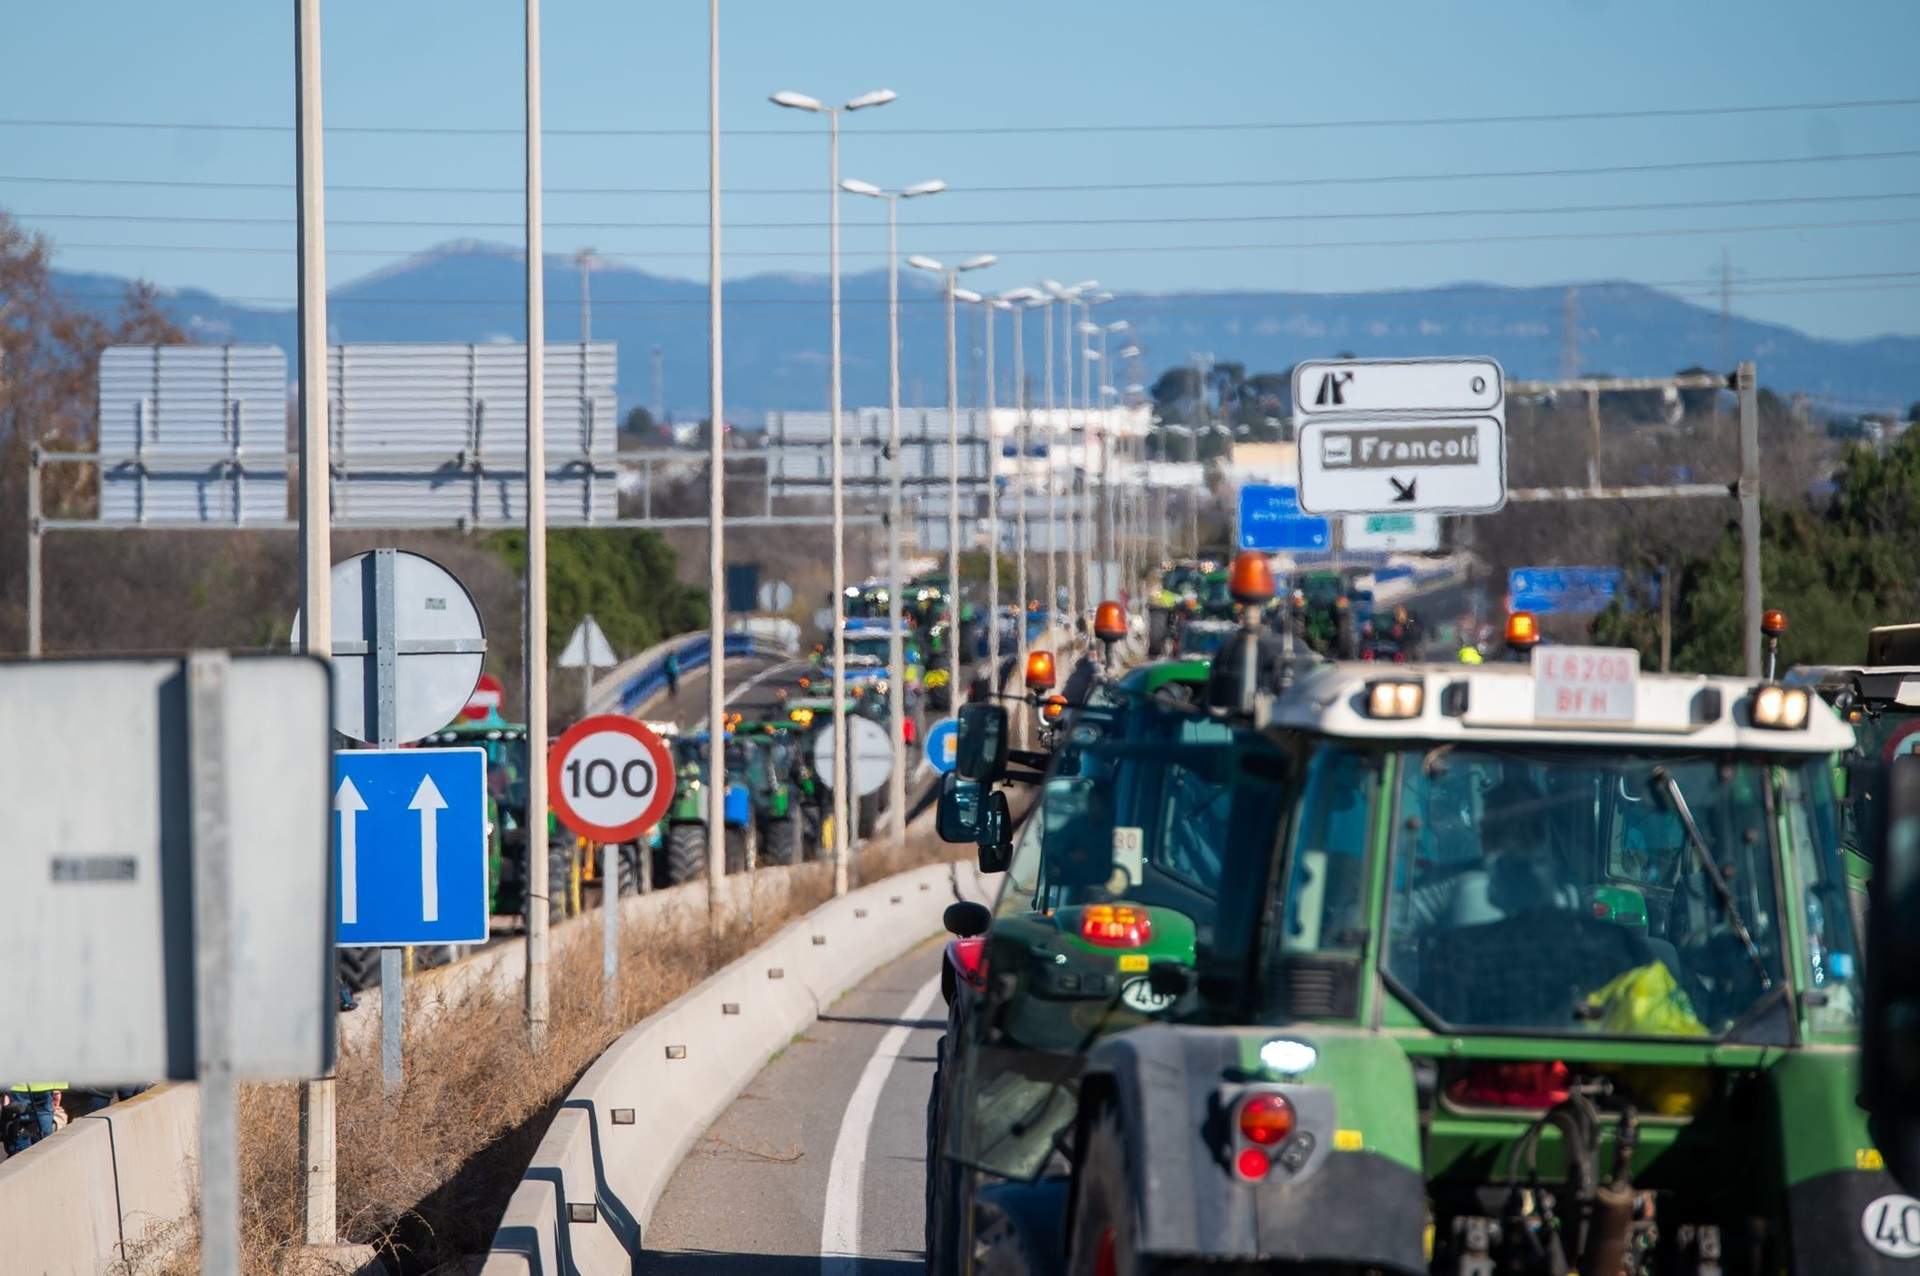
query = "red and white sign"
{"x": 488, "y": 695}
{"x": 1585, "y": 684}
{"x": 611, "y": 778}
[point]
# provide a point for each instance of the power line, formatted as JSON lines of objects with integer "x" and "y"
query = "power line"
{"x": 1204, "y": 220}
{"x": 1597, "y": 170}
{"x": 1076, "y": 249}
{"x": 1002, "y": 130}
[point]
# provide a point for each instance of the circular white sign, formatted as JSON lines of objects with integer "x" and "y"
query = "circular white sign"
{"x": 872, "y": 754}
{"x": 775, "y": 595}
{"x": 437, "y": 635}
{"x": 1891, "y": 1225}
{"x": 1139, "y": 995}
{"x": 611, "y": 778}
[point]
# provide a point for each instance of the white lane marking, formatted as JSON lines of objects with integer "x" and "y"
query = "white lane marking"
{"x": 840, "y": 1225}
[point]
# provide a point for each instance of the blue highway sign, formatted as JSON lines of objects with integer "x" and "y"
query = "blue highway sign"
{"x": 943, "y": 745}
{"x": 1270, "y": 519}
{"x": 1574, "y": 591}
{"x": 410, "y": 846}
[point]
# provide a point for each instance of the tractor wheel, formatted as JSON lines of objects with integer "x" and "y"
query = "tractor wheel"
{"x": 360, "y": 968}
{"x": 949, "y": 1184}
{"x": 783, "y": 838}
{"x": 1105, "y": 1230}
{"x": 686, "y": 852}
{"x": 736, "y": 856}
{"x": 630, "y": 858}
{"x": 1156, "y": 633}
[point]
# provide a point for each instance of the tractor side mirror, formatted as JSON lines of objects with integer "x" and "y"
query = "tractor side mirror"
{"x": 957, "y": 818}
{"x": 966, "y": 918}
{"x": 1234, "y": 677}
{"x": 981, "y": 748}
{"x": 996, "y": 833}
{"x": 1890, "y": 1057}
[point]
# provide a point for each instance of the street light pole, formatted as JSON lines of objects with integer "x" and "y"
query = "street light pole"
{"x": 952, "y": 274}
{"x": 988, "y": 305}
{"x": 1053, "y": 513}
{"x": 716, "y": 501}
{"x": 842, "y": 808}
{"x": 535, "y": 661}
{"x": 896, "y": 584}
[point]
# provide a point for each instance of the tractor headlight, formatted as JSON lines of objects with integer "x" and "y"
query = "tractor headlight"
{"x": 1394, "y": 699}
{"x": 1780, "y": 708}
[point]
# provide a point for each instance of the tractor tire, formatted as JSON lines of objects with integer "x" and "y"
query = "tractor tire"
{"x": 631, "y": 858}
{"x": 737, "y": 839}
{"x": 1156, "y": 633}
{"x": 686, "y": 853}
{"x": 1106, "y": 1227}
{"x": 360, "y": 968}
{"x": 949, "y": 1205}
{"x": 783, "y": 839}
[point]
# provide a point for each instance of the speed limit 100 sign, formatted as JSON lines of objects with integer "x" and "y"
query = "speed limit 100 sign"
{"x": 611, "y": 778}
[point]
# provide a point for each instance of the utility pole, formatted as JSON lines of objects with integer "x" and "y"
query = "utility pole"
{"x": 659, "y": 387}
{"x": 318, "y": 1205}
{"x": 1570, "y": 335}
{"x": 538, "y": 886}
{"x": 717, "y": 500}
{"x": 1744, "y": 381}
{"x": 1053, "y": 515}
{"x": 584, "y": 259}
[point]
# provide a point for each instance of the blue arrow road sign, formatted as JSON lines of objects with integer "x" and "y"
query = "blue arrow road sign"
{"x": 410, "y": 846}
{"x": 1270, "y": 519}
{"x": 943, "y": 745}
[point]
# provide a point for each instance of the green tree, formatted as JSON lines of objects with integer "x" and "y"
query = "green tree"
{"x": 626, "y": 577}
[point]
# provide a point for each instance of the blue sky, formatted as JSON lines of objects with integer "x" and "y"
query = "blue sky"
{"x": 992, "y": 65}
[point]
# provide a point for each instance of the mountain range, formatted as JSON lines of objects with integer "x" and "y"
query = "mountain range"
{"x": 776, "y": 332}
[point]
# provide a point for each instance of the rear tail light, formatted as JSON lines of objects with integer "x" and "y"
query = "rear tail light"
{"x": 970, "y": 959}
{"x": 1512, "y": 1085}
{"x": 1252, "y": 1163}
{"x": 1116, "y": 926}
{"x": 1265, "y": 1119}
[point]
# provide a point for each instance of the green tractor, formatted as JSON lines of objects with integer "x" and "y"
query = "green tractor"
{"x": 1517, "y": 969}
{"x": 684, "y": 843}
{"x": 506, "y": 748}
{"x": 772, "y": 754}
{"x": 1177, "y": 593}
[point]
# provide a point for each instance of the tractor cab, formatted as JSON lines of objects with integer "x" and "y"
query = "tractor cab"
{"x": 1553, "y": 971}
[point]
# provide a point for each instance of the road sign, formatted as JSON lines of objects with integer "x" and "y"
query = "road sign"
{"x": 437, "y": 645}
{"x": 943, "y": 745}
{"x": 742, "y": 586}
{"x": 487, "y": 697}
{"x": 775, "y": 595}
{"x": 1585, "y": 684}
{"x": 156, "y": 811}
{"x": 588, "y": 647}
{"x": 611, "y": 778}
{"x": 410, "y": 846}
{"x": 1363, "y": 387}
{"x": 1401, "y": 436}
{"x": 1270, "y": 519}
{"x": 1567, "y": 591}
{"x": 1391, "y": 533}
{"x": 871, "y": 749}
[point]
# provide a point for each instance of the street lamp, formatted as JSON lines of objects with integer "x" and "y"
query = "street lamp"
{"x": 952, "y": 276}
{"x": 842, "y": 808}
{"x": 1067, "y": 296}
{"x": 896, "y": 585}
{"x": 1020, "y": 300}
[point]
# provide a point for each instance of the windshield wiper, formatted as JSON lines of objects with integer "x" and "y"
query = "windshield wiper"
{"x": 1664, "y": 778}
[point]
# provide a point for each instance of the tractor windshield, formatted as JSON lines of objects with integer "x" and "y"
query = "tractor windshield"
{"x": 1633, "y": 894}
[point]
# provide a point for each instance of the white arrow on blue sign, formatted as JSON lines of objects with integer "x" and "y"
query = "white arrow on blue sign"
{"x": 410, "y": 846}
{"x": 943, "y": 745}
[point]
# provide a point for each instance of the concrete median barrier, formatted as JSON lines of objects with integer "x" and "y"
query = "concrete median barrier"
{"x": 587, "y": 1196}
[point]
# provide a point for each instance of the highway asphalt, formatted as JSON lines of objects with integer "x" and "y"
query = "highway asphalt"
{"x": 819, "y": 1166}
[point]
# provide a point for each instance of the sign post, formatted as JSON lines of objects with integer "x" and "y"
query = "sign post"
{"x": 1401, "y": 436}
{"x": 407, "y": 647}
{"x": 611, "y": 779}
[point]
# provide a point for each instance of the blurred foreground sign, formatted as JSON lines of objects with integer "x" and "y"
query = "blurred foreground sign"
{"x": 158, "y": 812}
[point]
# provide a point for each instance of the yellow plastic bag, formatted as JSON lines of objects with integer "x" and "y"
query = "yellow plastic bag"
{"x": 1645, "y": 1001}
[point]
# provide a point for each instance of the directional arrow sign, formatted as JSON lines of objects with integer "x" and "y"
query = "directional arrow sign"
{"x": 1448, "y": 465}
{"x": 410, "y": 840}
{"x": 1365, "y": 387}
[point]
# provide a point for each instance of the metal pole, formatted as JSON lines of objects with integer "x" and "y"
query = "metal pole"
{"x": 536, "y": 638}
{"x": 1073, "y": 474}
{"x": 716, "y": 501}
{"x": 1020, "y": 491}
{"x": 385, "y": 732}
{"x": 953, "y": 504}
{"x": 841, "y": 779}
{"x": 993, "y": 517}
{"x": 214, "y": 958}
{"x": 1053, "y": 515}
{"x": 585, "y": 259}
{"x": 1593, "y": 438}
{"x": 1666, "y": 619}
{"x": 1745, "y": 383}
{"x": 34, "y": 620}
{"x": 318, "y": 1203}
{"x": 1113, "y": 579}
{"x": 896, "y": 577}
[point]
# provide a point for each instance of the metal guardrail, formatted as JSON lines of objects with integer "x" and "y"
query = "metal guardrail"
{"x": 645, "y": 676}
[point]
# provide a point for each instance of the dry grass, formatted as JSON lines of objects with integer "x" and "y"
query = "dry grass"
{"x": 425, "y": 1176}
